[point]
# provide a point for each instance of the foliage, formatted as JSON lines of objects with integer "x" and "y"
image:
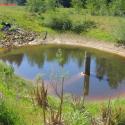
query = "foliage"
{"x": 84, "y": 26}
{"x": 79, "y": 3}
{"x": 70, "y": 114}
{"x": 41, "y": 97}
{"x": 78, "y": 118}
{"x": 95, "y": 7}
{"x": 21, "y": 2}
{"x": 62, "y": 22}
{"x": 36, "y": 5}
{"x": 20, "y": 17}
{"x": 65, "y": 3}
{"x": 8, "y": 116}
{"x": 40, "y": 6}
{"x": 117, "y": 8}
{"x": 119, "y": 34}
{"x": 106, "y": 7}
{"x": 110, "y": 115}
{"x": 6, "y": 71}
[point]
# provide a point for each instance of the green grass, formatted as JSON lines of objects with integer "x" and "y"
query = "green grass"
{"x": 16, "y": 91}
{"x": 21, "y": 17}
{"x": 17, "y": 97}
{"x": 100, "y": 35}
{"x": 106, "y": 25}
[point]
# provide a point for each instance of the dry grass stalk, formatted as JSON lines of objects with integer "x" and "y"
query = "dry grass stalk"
{"x": 78, "y": 103}
{"x": 109, "y": 116}
{"x": 41, "y": 97}
{"x": 56, "y": 117}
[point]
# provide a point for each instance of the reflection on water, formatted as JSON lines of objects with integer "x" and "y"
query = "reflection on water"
{"x": 107, "y": 72}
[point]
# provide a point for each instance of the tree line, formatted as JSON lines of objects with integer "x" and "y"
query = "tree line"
{"x": 19, "y": 2}
{"x": 95, "y": 7}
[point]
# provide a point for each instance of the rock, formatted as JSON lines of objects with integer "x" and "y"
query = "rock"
{"x": 20, "y": 31}
{"x": 16, "y": 37}
{"x": 30, "y": 38}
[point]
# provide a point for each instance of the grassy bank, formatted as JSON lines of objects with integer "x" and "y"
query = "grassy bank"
{"x": 14, "y": 93}
{"x": 18, "y": 108}
{"x": 17, "y": 104}
{"x": 105, "y": 29}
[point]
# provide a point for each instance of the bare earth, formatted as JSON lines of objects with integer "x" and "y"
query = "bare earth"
{"x": 82, "y": 42}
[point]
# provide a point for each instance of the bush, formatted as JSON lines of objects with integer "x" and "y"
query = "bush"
{"x": 82, "y": 26}
{"x": 63, "y": 23}
{"x": 9, "y": 117}
{"x": 39, "y": 6}
{"x": 119, "y": 34}
{"x": 36, "y": 5}
{"x": 59, "y": 23}
{"x": 77, "y": 118}
{"x": 6, "y": 71}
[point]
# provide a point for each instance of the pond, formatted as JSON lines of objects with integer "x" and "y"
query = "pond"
{"x": 107, "y": 71}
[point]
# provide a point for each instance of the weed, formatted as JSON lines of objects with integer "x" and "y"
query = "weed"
{"x": 110, "y": 116}
{"x": 8, "y": 116}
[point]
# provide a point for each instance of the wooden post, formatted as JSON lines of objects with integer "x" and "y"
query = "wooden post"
{"x": 87, "y": 63}
{"x": 86, "y": 85}
{"x": 45, "y": 35}
{"x": 87, "y": 75}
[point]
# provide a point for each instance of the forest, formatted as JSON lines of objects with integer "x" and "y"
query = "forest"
{"x": 95, "y": 7}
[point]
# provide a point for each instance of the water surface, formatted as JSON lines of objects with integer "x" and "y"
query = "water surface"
{"x": 107, "y": 71}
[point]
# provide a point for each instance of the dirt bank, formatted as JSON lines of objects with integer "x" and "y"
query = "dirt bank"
{"x": 82, "y": 42}
{"x": 75, "y": 40}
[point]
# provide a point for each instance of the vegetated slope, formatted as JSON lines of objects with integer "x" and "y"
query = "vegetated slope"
{"x": 105, "y": 26}
{"x": 18, "y": 107}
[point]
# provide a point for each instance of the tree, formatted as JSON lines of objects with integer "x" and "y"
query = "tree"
{"x": 118, "y": 7}
{"x": 51, "y": 4}
{"x": 79, "y": 3}
{"x": 97, "y": 7}
{"x": 65, "y": 3}
{"x": 21, "y": 2}
{"x": 41, "y": 5}
{"x": 36, "y": 5}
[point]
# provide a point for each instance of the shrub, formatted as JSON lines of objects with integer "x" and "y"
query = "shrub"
{"x": 119, "y": 34}
{"x": 82, "y": 26}
{"x": 63, "y": 23}
{"x": 39, "y": 6}
{"x": 36, "y": 5}
{"x": 9, "y": 117}
{"x": 6, "y": 71}
{"x": 59, "y": 23}
{"x": 77, "y": 118}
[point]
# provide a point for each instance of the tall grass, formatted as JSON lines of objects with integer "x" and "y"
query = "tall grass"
{"x": 62, "y": 22}
{"x": 9, "y": 116}
{"x": 119, "y": 34}
{"x": 41, "y": 97}
{"x": 58, "y": 23}
{"x": 6, "y": 72}
{"x": 110, "y": 115}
